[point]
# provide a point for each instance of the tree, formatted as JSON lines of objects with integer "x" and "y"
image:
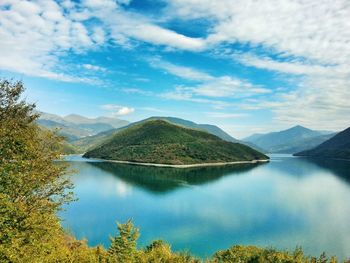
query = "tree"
{"x": 123, "y": 247}
{"x": 32, "y": 187}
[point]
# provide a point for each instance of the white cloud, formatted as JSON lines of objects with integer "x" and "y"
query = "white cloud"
{"x": 125, "y": 26}
{"x": 157, "y": 35}
{"x": 180, "y": 71}
{"x": 36, "y": 35}
{"x": 227, "y": 86}
{"x": 317, "y": 30}
{"x": 209, "y": 86}
{"x": 118, "y": 110}
{"x": 93, "y": 67}
{"x": 98, "y": 35}
{"x": 308, "y": 38}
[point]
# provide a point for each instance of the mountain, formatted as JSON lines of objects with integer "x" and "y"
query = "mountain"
{"x": 295, "y": 139}
{"x": 253, "y": 137}
{"x": 89, "y": 142}
{"x": 304, "y": 144}
{"x": 74, "y": 127}
{"x": 159, "y": 141}
{"x": 81, "y": 120}
{"x": 190, "y": 124}
{"x": 337, "y": 147}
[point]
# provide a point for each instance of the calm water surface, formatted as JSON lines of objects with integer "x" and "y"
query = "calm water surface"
{"x": 286, "y": 203}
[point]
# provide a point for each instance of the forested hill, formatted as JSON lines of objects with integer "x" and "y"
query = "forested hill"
{"x": 159, "y": 141}
{"x": 337, "y": 147}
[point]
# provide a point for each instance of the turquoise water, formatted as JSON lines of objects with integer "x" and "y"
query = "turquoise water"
{"x": 286, "y": 203}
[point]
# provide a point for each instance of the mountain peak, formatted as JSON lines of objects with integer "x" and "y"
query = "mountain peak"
{"x": 298, "y": 127}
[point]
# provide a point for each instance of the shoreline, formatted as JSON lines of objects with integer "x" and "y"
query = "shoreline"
{"x": 183, "y": 165}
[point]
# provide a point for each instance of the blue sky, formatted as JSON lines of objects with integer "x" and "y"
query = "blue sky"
{"x": 246, "y": 66}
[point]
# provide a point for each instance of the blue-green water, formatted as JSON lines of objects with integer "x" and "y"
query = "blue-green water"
{"x": 286, "y": 203}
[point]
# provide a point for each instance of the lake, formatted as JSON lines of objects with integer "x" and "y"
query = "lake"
{"x": 286, "y": 203}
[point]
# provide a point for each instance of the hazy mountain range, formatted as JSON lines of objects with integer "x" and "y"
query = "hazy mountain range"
{"x": 293, "y": 140}
{"x": 74, "y": 126}
{"x": 87, "y": 133}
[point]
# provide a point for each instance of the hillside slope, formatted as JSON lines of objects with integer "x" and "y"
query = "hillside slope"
{"x": 336, "y": 147}
{"x": 159, "y": 141}
{"x": 205, "y": 127}
{"x": 292, "y": 140}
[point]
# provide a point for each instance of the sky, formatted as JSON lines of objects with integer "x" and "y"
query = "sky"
{"x": 247, "y": 66}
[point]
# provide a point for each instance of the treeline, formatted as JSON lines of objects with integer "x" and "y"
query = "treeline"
{"x": 33, "y": 189}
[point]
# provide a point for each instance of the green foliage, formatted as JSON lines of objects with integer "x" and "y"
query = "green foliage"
{"x": 252, "y": 254}
{"x": 159, "y": 251}
{"x": 123, "y": 247}
{"x": 32, "y": 187}
{"x": 158, "y": 141}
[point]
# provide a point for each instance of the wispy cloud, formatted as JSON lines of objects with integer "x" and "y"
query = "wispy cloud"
{"x": 118, "y": 110}
{"x": 181, "y": 71}
{"x": 137, "y": 91}
{"x": 305, "y": 39}
{"x": 208, "y": 86}
{"x": 94, "y": 67}
{"x": 37, "y": 35}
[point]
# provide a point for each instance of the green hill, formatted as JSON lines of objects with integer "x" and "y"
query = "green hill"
{"x": 89, "y": 142}
{"x": 337, "y": 147}
{"x": 159, "y": 141}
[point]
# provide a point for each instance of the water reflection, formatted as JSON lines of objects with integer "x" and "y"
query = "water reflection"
{"x": 287, "y": 202}
{"x": 339, "y": 168}
{"x": 162, "y": 180}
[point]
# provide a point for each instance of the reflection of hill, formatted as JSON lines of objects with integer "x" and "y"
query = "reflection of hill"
{"x": 305, "y": 166}
{"x": 339, "y": 168}
{"x": 292, "y": 166}
{"x": 160, "y": 180}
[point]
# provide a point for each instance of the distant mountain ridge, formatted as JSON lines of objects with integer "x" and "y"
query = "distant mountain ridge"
{"x": 74, "y": 126}
{"x": 292, "y": 140}
{"x": 336, "y": 147}
{"x": 162, "y": 142}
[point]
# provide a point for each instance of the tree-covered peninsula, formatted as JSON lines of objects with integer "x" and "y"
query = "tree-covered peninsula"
{"x": 162, "y": 142}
